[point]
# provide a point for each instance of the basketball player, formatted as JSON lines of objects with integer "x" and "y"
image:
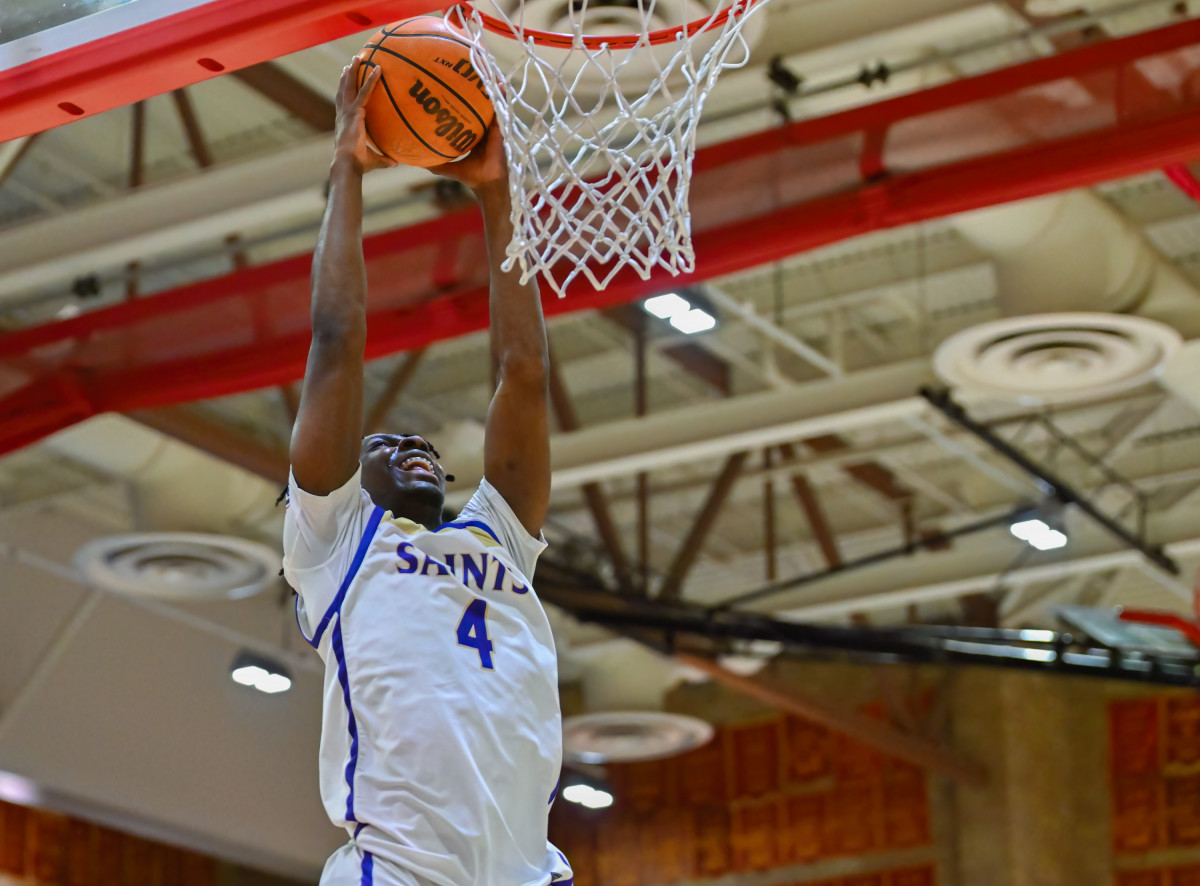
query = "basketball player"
{"x": 441, "y": 738}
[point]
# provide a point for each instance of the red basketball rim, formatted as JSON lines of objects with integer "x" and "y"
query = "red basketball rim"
{"x": 619, "y": 41}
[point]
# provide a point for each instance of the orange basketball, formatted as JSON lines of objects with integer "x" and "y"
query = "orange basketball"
{"x": 430, "y": 106}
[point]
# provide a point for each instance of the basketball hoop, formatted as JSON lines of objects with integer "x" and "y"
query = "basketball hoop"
{"x": 1189, "y": 627}
{"x": 601, "y": 131}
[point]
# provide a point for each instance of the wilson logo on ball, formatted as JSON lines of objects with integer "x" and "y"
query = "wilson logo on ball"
{"x": 467, "y": 71}
{"x": 449, "y": 126}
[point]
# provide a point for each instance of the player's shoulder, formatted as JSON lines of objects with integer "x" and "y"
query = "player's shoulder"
{"x": 489, "y": 516}
{"x": 474, "y": 527}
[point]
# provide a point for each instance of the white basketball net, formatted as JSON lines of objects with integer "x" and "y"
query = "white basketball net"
{"x": 600, "y": 171}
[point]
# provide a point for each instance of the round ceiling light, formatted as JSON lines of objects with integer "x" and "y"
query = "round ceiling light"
{"x": 178, "y": 565}
{"x": 630, "y": 736}
{"x": 1045, "y": 358}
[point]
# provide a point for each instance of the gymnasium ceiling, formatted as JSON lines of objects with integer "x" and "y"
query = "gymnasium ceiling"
{"x": 126, "y": 707}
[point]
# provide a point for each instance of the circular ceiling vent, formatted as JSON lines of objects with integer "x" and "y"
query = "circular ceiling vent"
{"x": 629, "y": 736}
{"x": 1055, "y": 357}
{"x": 178, "y": 565}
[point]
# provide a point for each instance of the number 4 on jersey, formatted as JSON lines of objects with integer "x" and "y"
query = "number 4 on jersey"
{"x": 472, "y": 631}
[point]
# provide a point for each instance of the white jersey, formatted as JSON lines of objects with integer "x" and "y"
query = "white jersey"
{"x": 441, "y": 739}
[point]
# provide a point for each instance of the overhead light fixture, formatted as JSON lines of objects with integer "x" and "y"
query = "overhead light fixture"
{"x": 667, "y": 305}
{"x": 680, "y": 313}
{"x": 260, "y": 673}
{"x": 694, "y": 321}
{"x": 1039, "y": 534}
{"x": 586, "y": 795}
{"x": 585, "y": 787}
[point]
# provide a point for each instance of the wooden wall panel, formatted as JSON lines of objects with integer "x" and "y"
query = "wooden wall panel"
{"x": 1189, "y": 876}
{"x": 1133, "y": 737}
{"x": 12, "y": 839}
{"x": 905, "y": 806}
{"x": 668, "y": 848}
{"x": 753, "y": 759}
{"x": 713, "y": 852}
{"x": 1183, "y": 730}
{"x": 47, "y": 849}
{"x": 701, "y": 774}
{"x": 1182, "y": 799}
{"x": 808, "y": 752}
{"x": 757, "y": 827}
{"x": 924, "y": 876}
{"x": 803, "y": 816}
{"x": 762, "y": 795}
{"x": 82, "y": 848}
{"x": 645, "y": 787}
{"x": 876, "y": 879}
{"x": 618, "y": 856}
{"x": 109, "y": 855}
{"x": 1154, "y": 777}
{"x": 1137, "y": 814}
{"x": 1140, "y": 878}
{"x": 46, "y": 836}
{"x": 920, "y": 876}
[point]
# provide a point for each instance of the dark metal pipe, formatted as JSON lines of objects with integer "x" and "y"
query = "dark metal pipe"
{"x": 1060, "y": 654}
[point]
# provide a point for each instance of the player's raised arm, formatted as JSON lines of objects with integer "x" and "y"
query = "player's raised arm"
{"x": 327, "y": 434}
{"x": 516, "y": 457}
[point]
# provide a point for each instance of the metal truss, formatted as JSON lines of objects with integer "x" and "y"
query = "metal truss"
{"x": 678, "y": 626}
{"x": 1055, "y": 487}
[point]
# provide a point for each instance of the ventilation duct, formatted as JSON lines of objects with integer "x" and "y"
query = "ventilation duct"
{"x": 1067, "y": 268}
{"x": 176, "y": 486}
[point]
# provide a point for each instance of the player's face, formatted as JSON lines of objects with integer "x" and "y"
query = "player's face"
{"x": 401, "y": 473}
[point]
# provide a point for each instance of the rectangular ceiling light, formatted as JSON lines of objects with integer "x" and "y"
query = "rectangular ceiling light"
{"x": 680, "y": 313}
{"x": 1039, "y": 534}
{"x": 260, "y": 673}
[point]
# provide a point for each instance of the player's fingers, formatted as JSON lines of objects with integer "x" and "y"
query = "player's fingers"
{"x": 346, "y": 85}
{"x": 379, "y": 161}
{"x": 369, "y": 83}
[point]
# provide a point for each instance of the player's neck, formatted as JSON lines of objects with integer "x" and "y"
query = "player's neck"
{"x": 426, "y": 513}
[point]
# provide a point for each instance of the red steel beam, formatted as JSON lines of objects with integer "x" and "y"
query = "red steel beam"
{"x": 61, "y": 393}
{"x": 176, "y": 51}
{"x": 1005, "y": 81}
{"x": 58, "y": 400}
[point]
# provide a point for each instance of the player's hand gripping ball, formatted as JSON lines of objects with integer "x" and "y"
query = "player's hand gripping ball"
{"x": 430, "y": 106}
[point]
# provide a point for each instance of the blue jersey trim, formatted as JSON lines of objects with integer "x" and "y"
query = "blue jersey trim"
{"x": 554, "y": 794}
{"x": 339, "y": 654}
{"x": 570, "y": 881}
{"x": 359, "y": 555}
{"x": 471, "y": 524}
{"x": 368, "y": 869}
